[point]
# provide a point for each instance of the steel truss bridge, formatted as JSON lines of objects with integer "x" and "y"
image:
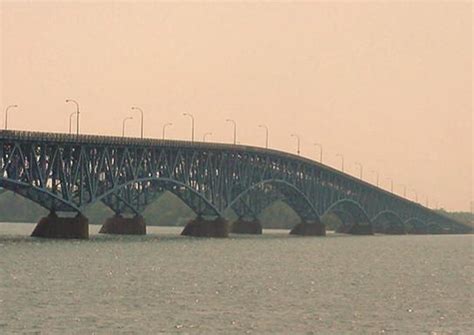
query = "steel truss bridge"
{"x": 67, "y": 173}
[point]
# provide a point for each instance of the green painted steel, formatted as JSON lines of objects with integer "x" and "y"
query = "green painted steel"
{"x": 67, "y": 173}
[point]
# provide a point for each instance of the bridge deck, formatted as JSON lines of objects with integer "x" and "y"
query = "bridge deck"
{"x": 72, "y": 139}
{"x": 133, "y": 141}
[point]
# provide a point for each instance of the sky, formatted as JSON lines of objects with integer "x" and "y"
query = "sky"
{"x": 386, "y": 84}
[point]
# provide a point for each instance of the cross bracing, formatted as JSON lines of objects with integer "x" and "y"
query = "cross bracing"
{"x": 67, "y": 173}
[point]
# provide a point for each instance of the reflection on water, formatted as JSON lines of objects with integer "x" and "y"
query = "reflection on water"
{"x": 274, "y": 283}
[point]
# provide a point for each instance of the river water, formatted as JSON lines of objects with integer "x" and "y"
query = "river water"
{"x": 269, "y": 284}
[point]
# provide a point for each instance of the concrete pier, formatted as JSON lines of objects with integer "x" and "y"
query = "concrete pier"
{"x": 53, "y": 226}
{"x": 418, "y": 231}
{"x": 201, "y": 227}
{"x": 309, "y": 229}
{"x": 360, "y": 229}
{"x": 242, "y": 226}
{"x": 394, "y": 229}
{"x": 124, "y": 226}
{"x": 379, "y": 229}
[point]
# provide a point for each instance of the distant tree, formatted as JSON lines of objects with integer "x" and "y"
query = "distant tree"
{"x": 169, "y": 210}
{"x": 464, "y": 217}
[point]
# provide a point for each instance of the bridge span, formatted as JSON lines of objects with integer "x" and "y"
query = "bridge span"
{"x": 66, "y": 173}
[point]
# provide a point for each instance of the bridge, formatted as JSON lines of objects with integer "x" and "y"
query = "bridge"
{"x": 66, "y": 173}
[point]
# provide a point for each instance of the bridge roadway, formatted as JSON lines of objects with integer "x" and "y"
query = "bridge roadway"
{"x": 66, "y": 173}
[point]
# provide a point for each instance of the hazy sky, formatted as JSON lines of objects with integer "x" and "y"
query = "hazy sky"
{"x": 386, "y": 84}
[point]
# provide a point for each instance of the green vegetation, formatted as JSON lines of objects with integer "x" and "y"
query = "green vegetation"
{"x": 331, "y": 221}
{"x": 15, "y": 208}
{"x": 464, "y": 217}
{"x": 168, "y": 210}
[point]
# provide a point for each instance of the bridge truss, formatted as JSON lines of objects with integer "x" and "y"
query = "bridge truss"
{"x": 67, "y": 173}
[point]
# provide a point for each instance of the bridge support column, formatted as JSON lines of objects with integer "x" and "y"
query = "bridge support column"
{"x": 394, "y": 229}
{"x": 418, "y": 231}
{"x": 124, "y": 226}
{"x": 357, "y": 229}
{"x": 242, "y": 226}
{"x": 309, "y": 229}
{"x": 436, "y": 229}
{"x": 53, "y": 226}
{"x": 201, "y": 227}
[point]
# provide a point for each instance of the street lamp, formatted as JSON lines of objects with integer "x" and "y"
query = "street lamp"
{"x": 361, "y": 170}
{"x": 235, "y": 129}
{"x": 141, "y": 122}
{"x": 77, "y": 112}
{"x": 70, "y": 121}
{"x": 342, "y": 160}
{"x": 427, "y": 202}
{"x": 266, "y": 134}
{"x": 298, "y": 142}
{"x": 391, "y": 184}
{"x": 6, "y": 114}
{"x": 192, "y": 124}
{"x": 377, "y": 174}
{"x": 320, "y": 146}
{"x": 404, "y": 190}
{"x": 205, "y": 136}
{"x": 123, "y": 124}
{"x": 164, "y": 128}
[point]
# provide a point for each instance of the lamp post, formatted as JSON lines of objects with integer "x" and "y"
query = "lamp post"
{"x": 141, "y": 119}
{"x": 404, "y": 190}
{"x": 77, "y": 112}
{"x": 298, "y": 143}
{"x": 342, "y": 160}
{"x": 266, "y": 134}
{"x": 377, "y": 174}
{"x": 391, "y": 184}
{"x": 320, "y": 146}
{"x": 70, "y": 121}
{"x": 192, "y": 125}
{"x": 205, "y": 136}
{"x": 123, "y": 124}
{"x": 164, "y": 128}
{"x": 6, "y": 114}
{"x": 361, "y": 170}
{"x": 235, "y": 129}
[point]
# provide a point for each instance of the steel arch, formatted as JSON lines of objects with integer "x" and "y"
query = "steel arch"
{"x": 40, "y": 196}
{"x": 354, "y": 208}
{"x": 304, "y": 209}
{"x": 387, "y": 216}
{"x": 164, "y": 183}
{"x": 415, "y": 223}
{"x": 52, "y": 202}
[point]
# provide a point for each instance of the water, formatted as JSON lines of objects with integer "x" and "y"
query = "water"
{"x": 270, "y": 284}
